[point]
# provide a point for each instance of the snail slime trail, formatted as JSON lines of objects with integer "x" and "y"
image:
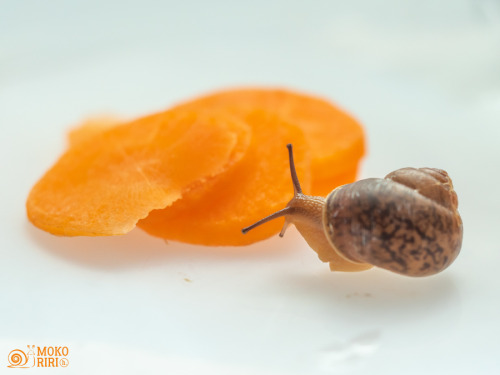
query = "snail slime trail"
{"x": 407, "y": 222}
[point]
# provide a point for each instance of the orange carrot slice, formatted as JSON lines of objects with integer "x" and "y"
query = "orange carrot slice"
{"x": 202, "y": 171}
{"x": 335, "y": 139}
{"x": 257, "y": 185}
{"x": 103, "y": 185}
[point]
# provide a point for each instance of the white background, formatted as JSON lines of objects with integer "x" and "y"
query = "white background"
{"x": 423, "y": 77}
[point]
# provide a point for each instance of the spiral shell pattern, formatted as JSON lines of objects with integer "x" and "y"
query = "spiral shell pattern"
{"x": 407, "y": 223}
{"x": 17, "y": 358}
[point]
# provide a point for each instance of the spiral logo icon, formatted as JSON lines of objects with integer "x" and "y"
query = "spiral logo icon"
{"x": 17, "y": 358}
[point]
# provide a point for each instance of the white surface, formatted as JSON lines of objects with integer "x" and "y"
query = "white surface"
{"x": 423, "y": 77}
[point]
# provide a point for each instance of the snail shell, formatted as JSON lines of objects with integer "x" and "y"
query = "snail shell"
{"x": 17, "y": 358}
{"x": 407, "y": 222}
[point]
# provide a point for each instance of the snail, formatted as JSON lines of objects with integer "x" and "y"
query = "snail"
{"x": 406, "y": 223}
{"x": 17, "y": 358}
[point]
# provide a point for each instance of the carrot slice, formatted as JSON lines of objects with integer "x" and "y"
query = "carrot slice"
{"x": 190, "y": 169}
{"x": 256, "y": 186}
{"x": 326, "y": 185}
{"x": 335, "y": 138}
{"x": 104, "y": 184}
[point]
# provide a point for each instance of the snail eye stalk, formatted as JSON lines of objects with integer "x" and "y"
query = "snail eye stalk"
{"x": 287, "y": 210}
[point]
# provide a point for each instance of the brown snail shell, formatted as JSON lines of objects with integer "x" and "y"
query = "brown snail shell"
{"x": 406, "y": 223}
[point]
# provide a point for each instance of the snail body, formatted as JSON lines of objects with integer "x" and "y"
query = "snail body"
{"x": 407, "y": 222}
